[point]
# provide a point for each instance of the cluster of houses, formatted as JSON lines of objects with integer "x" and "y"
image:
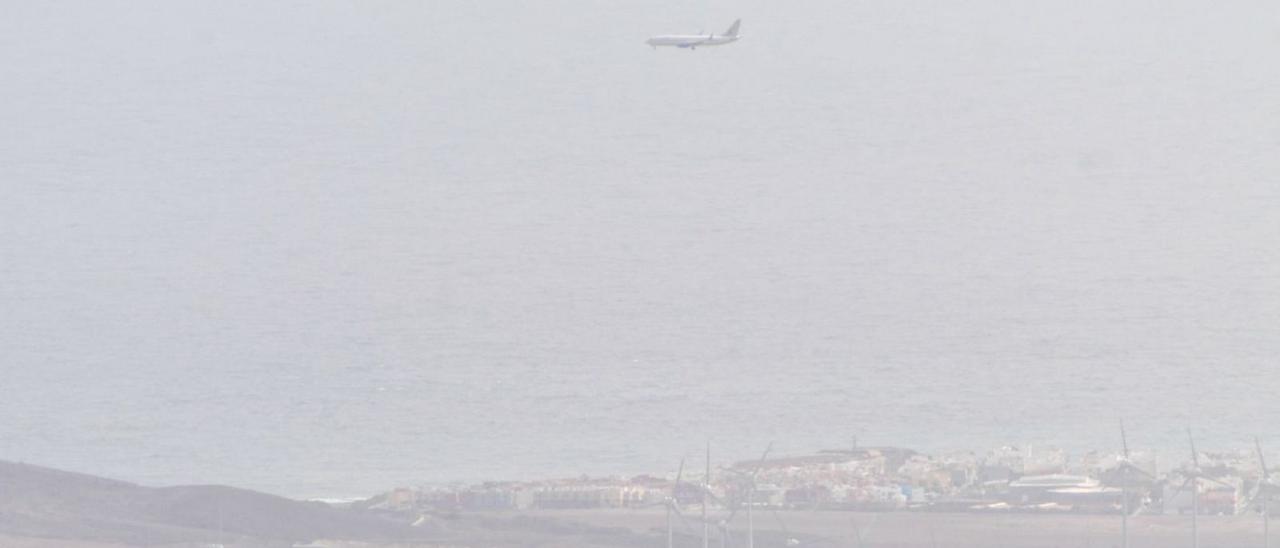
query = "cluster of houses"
{"x": 1006, "y": 479}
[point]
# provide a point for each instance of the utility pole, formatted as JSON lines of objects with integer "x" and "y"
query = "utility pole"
{"x": 1195, "y": 511}
{"x": 1124, "y": 509}
{"x": 706, "y": 488}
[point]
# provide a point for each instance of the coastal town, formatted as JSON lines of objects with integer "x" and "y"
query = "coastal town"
{"x": 1008, "y": 479}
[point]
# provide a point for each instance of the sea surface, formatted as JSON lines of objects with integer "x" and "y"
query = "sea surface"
{"x": 326, "y": 248}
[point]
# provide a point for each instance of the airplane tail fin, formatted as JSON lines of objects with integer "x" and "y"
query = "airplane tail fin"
{"x": 733, "y": 30}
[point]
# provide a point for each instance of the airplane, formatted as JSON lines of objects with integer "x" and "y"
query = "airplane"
{"x": 692, "y": 41}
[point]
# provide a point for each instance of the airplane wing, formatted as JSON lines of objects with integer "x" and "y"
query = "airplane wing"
{"x": 694, "y": 43}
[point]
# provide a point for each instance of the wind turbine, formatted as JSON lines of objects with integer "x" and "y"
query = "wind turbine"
{"x": 751, "y": 525}
{"x": 751, "y": 488}
{"x": 791, "y": 540}
{"x": 1126, "y": 470}
{"x": 1193, "y": 476}
{"x": 706, "y": 496}
{"x": 723, "y": 525}
{"x": 1265, "y": 490}
{"x": 673, "y": 507}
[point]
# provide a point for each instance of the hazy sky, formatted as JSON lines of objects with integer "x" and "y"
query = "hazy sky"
{"x": 321, "y": 247}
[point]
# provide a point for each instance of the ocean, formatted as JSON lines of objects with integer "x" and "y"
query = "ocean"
{"x": 326, "y": 248}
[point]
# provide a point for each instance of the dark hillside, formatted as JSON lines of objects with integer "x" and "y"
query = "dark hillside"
{"x": 41, "y": 502}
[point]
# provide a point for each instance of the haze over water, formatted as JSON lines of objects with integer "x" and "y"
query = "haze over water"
{"x": 326, "y": 248}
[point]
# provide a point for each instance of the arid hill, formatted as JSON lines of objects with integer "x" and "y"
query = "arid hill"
{"x": 46, "y": 508}
{"x": 40, "y": 502}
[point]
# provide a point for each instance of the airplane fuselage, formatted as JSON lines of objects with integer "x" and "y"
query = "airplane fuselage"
{"x": 691, "y": 41}
{"x": 694, "y": 41}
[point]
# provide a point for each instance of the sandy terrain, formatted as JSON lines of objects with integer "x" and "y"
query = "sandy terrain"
{"x": 926, "y": 530}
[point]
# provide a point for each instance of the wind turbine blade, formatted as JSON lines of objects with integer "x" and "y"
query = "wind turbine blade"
{"x": 695, "y": 518}
{"x": 706, "y": 480}
{"x": 1253, "y": 499}
{"x": 760, "y": 464}
{"x": 1124, "y": 440}
{"x": 1195, "y": 456}
{"x": 732, "y": 514}
{"x": 750, "y": 486}
{"x": 680, "y": 472}
{"x": 1217, "y": 481}
{"x": 781, "y": 523}
{"x": 1132, "y": 468}
{"x": 715, "y": 498}
{"x": 1266, "y": 474}
{"x": 1181, "y": 488}
{"x": 675, "y": 508}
